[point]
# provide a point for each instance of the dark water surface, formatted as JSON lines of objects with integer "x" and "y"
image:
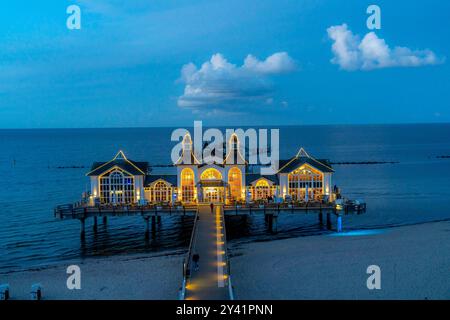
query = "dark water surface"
{"x": 414, "y": 190}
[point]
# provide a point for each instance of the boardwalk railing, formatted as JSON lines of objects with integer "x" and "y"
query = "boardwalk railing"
{"x": 229, "y": 284}
{"x": 280, "y": 206}
{"x": 188, "y": 259}
{"x": 76, "y": 211}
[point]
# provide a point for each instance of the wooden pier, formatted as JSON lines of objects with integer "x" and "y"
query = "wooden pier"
{"x": 272, "y": 211}
{"x": 83, "y": 212}
{"x": 212, "y": 279}
{"x": 155, "y": 212}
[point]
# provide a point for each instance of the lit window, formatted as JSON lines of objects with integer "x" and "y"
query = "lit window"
{"x": 235, "y": 183}
{"x": 211, "y": 174}
{"x": 305, "y": 179}
{"x": 187, "y": 185}
{"x": 116, "y": 187}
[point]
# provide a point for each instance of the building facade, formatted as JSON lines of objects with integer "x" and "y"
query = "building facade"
{"x": 228, "y": 179}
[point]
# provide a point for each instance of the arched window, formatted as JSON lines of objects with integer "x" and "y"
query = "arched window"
{"x": 235, "y": 183}
{"x": 262, "y": 190}
{"x": 187, "y": 185}
{"x": 305, "y": 182}
{"x": 160, "y": 192}
{"x": 116, "y": 187}
{"x": 211, "y": 174}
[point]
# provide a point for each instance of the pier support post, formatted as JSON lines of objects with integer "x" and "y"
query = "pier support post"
{"x": 105, "y": 220}
{"x": 321, "y": 218}
{"x": 153, "y": 223}
{"x": 83, "y": 228}
{"x": 274, "y": 223}
{"x": 158, "y": 219}
{"x": 95, "y": 224}
{"x": 269, "y": 220}
{"x": 339, "y": 224}
{"x": 329, "y": 221}
{"x": 147, "y": 228}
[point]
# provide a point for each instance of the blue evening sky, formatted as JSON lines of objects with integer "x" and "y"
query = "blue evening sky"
{"x": 123, "y": 68}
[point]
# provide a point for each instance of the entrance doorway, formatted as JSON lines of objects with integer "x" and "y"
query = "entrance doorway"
{"x": 211, "y": 194}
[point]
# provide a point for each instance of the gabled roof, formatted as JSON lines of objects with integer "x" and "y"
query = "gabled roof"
{"x": 252, "y": 177}
{"x": 120, "y": 161}
{"x": 227, "y": 154}
{"x": 234, "y": 155}
{"x": 170, "y": 178}
{"x": 187, "y": 153}
{"x": 301, "y": 158}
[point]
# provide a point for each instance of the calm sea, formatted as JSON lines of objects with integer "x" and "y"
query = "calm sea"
{"x": 35, "y": 166}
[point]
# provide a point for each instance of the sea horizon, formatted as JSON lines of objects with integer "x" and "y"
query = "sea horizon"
{"x": 241, "y": 126}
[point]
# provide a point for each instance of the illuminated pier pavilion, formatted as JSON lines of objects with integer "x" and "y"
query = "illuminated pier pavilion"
{"x": 229, "y": 180}
{"x": 123, "y": 187}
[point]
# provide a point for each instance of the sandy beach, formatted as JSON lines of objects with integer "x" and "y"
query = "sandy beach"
{"x": 414, "y": 262}
{"x": 120, "y": 277}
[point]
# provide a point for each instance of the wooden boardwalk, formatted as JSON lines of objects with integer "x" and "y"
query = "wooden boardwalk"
{"x": 211, "y": 280}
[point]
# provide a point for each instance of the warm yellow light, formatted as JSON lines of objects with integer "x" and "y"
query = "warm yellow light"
{"x": 220, "y": 243}
{"x": 191, "y": 287}
{"x": 221, "y": 252}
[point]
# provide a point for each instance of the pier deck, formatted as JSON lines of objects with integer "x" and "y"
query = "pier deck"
{"x": 80, "y": 212}
{"x": 211, "y": 280}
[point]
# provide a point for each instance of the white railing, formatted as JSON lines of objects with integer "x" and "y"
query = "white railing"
{"x": 188, "y": 259}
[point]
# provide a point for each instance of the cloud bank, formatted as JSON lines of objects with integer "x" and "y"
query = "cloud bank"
{"x": 352, "y": 53}
{"x": 219, "y": 84}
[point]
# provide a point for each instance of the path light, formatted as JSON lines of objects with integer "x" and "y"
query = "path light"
{"x": 191, "y": 287}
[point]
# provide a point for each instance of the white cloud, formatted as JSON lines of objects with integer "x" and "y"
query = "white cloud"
{"x": 352, "y": 53}
{"x": 219, "y": 84}
{"x": 279, "y": 62}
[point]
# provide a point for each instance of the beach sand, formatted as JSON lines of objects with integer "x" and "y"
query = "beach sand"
{"x": 119, "y": 277}
{"x": 414, "y": 262}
